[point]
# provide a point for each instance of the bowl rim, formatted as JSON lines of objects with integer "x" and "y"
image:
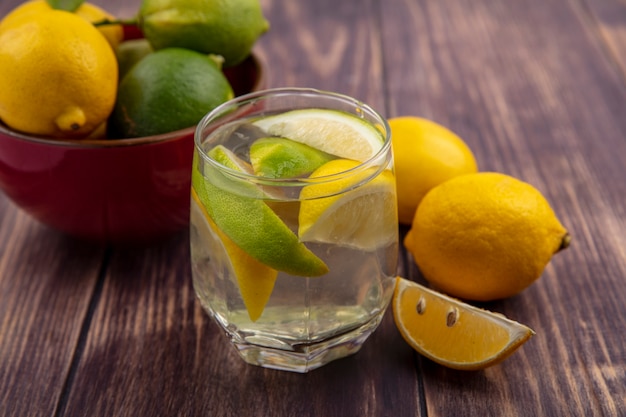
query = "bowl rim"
{"x": 87, "y": 143}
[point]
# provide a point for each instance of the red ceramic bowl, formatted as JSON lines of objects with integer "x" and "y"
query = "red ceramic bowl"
{"x": 124, "y": 190}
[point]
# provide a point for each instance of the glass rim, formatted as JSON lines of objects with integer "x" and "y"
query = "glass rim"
{"x": 225, "y": 108}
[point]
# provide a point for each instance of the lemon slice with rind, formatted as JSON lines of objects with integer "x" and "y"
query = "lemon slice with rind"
{"x": 453, "y": 333}
{"x": 334, "y": 132}
{"x": 343, "y": 211}
{"x": 236, "y": 207}
{"x": 254, "y": 279}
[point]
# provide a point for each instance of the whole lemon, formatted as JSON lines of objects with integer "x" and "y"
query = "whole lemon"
{"x": 226, "y": 28}
{"x": 58, "y": 75}
{"x": 425, "y": 155}
{"x": 484, "y": 236}
{"x": 92, "y": 13}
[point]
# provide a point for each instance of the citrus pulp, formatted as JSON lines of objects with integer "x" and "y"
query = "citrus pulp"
{"x": 339, "y": 211}
{"x": 453, "y": 333}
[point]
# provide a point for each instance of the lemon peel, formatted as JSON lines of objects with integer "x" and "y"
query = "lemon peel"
{"x": 52, "y": 61}
{"x": 425, "y": 155}
{"x": 484, "y": 236}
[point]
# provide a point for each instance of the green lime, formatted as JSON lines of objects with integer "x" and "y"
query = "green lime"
{"x": 236, "y": 209}
{"x": 226, "y": 28}
{"x": 276, "y": 157}
{"x": 167, "y": 90}
{"x": 129, "y": 53}
{"x": 334, "y": 132}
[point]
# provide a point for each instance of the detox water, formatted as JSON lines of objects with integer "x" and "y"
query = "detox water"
{"x": 304, "y": 321}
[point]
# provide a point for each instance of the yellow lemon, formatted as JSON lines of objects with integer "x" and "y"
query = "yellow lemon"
{"x": 484, "y": 236}
{"x": 425, "y": 155}
{"x": 58, "y": 75}
{"x": 92, "y": 13}
{"x": 453, "y": 333}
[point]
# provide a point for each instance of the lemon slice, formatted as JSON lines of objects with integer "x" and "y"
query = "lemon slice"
{"x": 236, "y": 207}
{"x": 453, "y": 333}
{"x": 364, "y": 217}
{"x": 254, "y": 279}
{"x": 334, "y": 132}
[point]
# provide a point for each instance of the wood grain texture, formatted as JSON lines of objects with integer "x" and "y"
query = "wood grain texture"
{"x": 46, "y": 284}
{"x": 528, "y": 87}
{"x": 537, "y": 89}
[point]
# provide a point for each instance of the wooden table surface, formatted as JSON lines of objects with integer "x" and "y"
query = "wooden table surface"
{"x": 537, "y": 88}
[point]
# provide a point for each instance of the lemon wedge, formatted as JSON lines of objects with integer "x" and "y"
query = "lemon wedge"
{"x": 331, "y": 131}
{"x": 342, "y": 211}
{"x": 453, "y": 333}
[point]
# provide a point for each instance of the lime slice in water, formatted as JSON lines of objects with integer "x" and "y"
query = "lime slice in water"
{"x": 236, "y": 208}
{"x": 284, "y": 158}
{"x": 331, "y": 131}
{"x": 365, "y": 217}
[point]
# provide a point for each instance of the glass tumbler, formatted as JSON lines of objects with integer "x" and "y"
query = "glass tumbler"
{"x": 294, "y": 232}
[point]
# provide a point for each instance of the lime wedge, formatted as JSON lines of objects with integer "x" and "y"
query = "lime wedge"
{"x": 236, "y": 209}
{"x": 284, "y": 158}
{"x": 331, "y": 131}
{"x": 365, "y": 217}
{"x": 254, "y": 279}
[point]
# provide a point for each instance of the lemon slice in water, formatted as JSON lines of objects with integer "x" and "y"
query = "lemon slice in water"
{"x": 363, "y": 217}
{"x": 453, "y": 333}
{"x": 331, "y": 131}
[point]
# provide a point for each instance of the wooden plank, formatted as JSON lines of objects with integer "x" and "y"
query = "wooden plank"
{"x": 330, "y": 45}
{"x": 530, "y": 91}
{"x": 608, "y": 16}
{"x": 46, "y": 283}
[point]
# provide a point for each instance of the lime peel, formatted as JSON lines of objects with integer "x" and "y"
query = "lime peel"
{"x": 254, "y": 279}
{"x": 276, "y": 157}
{"x": 250, "y": 222}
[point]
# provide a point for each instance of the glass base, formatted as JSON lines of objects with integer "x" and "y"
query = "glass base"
{"x": 269, "y": 353}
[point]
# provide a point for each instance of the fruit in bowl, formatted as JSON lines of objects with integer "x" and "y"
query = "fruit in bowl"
{"x": 64, "y": 163}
